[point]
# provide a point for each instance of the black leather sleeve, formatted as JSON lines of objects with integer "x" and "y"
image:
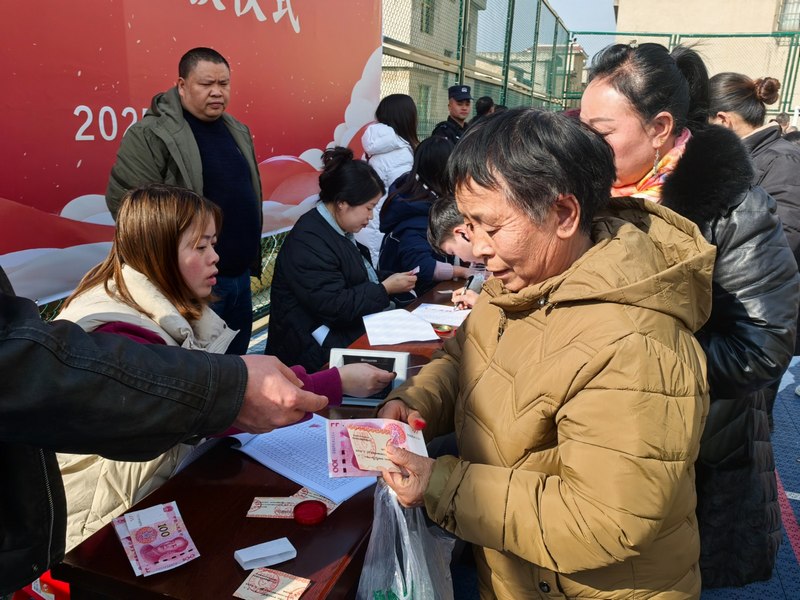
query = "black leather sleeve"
{"x": 749, "y": 339}
{"x": 69, "y": 391}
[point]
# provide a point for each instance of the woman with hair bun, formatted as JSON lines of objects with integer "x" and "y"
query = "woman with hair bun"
{"x": 651, "y": 105}
{"x": 324, "y": 281}
{"x": 738, "y": 103}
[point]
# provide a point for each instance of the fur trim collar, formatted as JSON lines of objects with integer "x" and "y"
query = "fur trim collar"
{"x": 712, "y": 178}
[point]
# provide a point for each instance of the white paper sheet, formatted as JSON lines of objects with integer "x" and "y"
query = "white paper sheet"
{"x": 441, "y": 313}
{"x": 397, "y": 326}
{"x": 299, "y": 452}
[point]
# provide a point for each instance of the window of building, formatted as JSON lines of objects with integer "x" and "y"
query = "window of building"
{"x": 424, "y": 103}
{"x": 790, "y": 16}
{"x": 426, "y": 16}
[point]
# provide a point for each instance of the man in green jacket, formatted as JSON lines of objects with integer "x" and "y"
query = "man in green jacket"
{"x": 187, "y": 139}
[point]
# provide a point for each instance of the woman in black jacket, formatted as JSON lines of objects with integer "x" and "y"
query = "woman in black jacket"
{"x": 404, "y": 218}
{"x": 324, "y": 281}
{"x": 739, "y": 103}
{"x": 652, "y": 107}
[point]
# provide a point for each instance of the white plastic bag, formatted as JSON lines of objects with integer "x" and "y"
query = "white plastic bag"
{"x": 405, "y": 559}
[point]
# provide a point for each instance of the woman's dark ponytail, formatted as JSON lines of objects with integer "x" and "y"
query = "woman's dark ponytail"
{"x": 694, "y": 71}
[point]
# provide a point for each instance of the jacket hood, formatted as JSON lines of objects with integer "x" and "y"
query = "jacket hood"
{"x": 167, "y": 106}
{"x": 643, "y": 255}
{"x": 711, "y": 178}
{"x": 380, "y": 138}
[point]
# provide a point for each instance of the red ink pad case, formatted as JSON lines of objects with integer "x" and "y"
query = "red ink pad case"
{"x": 310, "y": 512}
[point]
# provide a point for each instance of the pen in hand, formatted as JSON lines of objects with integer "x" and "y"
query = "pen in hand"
{"x": 469, "y": 283}
{"x": 464, "y": 291}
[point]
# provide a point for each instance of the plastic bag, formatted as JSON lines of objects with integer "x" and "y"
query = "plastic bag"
{"x": 406, "y": 560}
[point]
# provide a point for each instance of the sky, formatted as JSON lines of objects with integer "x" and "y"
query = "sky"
{"x": 577, "y": 15}
{"x": 587, "y": 15}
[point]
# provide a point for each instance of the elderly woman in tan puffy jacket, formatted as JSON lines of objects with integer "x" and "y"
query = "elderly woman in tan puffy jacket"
{"x": 576, "y": 388}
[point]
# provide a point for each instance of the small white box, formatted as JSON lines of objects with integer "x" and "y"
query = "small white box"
{"x": 266, "y": 554}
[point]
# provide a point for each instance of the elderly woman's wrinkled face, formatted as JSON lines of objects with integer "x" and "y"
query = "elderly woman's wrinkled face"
{"x": 610, "y": 113}
{"x": 514, "y": 249}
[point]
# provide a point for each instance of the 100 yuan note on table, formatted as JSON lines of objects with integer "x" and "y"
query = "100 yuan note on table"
{"x": 357, "y": 447}
{"x": 127, "y": 543}
{"x": 160, "y": 538}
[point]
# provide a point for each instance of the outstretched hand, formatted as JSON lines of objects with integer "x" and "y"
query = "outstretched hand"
{"x": 274, "y": 396}
{"x": 361, "y": 380}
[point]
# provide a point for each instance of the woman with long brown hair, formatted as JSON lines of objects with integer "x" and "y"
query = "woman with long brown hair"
{"x": 154, "y": 287}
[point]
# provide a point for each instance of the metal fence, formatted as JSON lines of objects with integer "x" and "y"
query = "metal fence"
{"x": 516, "y": 51}
{"x": 260, "y": 286}
{"x": 755, "y": 55}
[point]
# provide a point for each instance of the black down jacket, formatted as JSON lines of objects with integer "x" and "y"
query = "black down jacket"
{"x": 777, "y": 166}
{"x": 749, "y": 341}
{"x": 320, "y": 279}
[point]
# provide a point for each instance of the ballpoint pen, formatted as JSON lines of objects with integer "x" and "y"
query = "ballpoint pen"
{"x": 466, "y": 287}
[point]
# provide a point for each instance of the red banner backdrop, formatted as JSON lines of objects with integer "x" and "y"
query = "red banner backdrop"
{"x": 303, "y": 75}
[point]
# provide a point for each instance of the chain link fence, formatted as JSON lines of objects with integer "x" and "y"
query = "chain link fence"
{"x": 755, "y": 55}
{"x": 260, "y": 286}
{"x": 516, "y": 51}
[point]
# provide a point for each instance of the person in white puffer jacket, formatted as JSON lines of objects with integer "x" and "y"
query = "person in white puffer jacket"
{"x": 389, "y": 148}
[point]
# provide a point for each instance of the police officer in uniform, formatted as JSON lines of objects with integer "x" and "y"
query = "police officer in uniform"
{"x": 459, "y": 105}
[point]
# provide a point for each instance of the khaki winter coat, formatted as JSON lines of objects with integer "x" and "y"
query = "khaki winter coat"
{"x": 578, "y": 405}
{"x": 99, "y": 489}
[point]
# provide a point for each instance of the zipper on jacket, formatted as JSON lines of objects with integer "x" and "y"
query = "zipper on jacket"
{"x": 52, "y": 510}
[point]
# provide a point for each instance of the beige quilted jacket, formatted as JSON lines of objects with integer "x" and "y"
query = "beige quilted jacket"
{"x": 99, "y": 489}
{"x": 578, "y": 405}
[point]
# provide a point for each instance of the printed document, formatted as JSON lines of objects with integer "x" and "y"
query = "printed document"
{"x": 299, "y": 452}
{"x": 397, "y": 326}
